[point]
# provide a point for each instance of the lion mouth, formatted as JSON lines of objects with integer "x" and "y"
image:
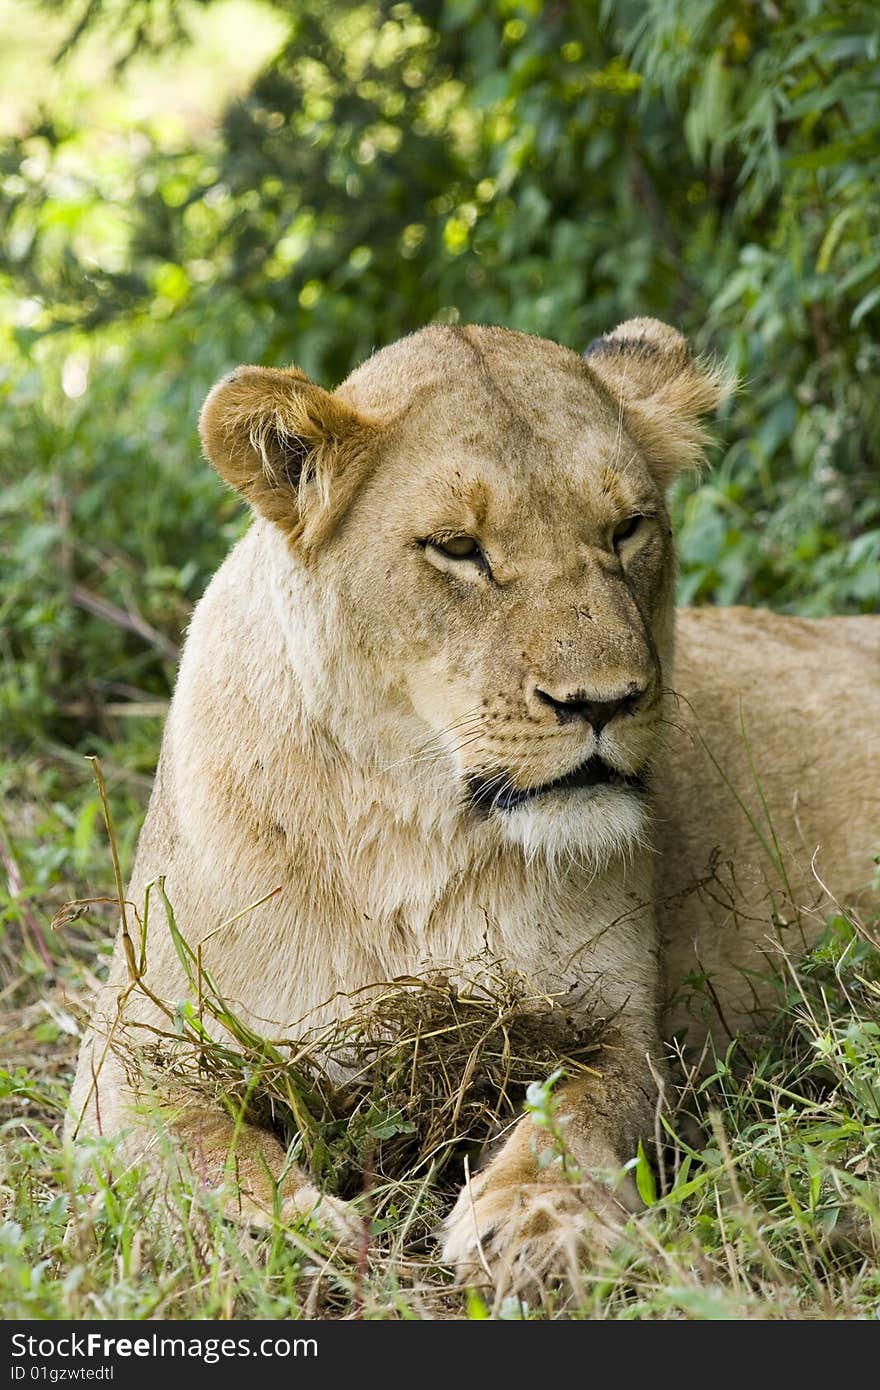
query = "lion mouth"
{"x": 489, "y": 792}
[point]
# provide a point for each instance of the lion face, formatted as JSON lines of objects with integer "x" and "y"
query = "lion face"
{"x": 484, "y": 511}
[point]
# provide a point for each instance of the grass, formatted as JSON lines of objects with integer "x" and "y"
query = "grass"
{"x": 763, "y": 1195}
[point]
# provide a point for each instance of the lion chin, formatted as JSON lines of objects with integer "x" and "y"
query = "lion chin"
{"x": 590, "y": 828}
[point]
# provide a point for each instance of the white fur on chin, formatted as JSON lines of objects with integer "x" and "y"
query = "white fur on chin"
{"x": 590, "y": 826}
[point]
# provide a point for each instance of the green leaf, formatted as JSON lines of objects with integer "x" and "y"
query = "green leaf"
{"x": 865, "y": 306}
{"x": 476, "y": 1308}
{"x": 645, "y": 1177}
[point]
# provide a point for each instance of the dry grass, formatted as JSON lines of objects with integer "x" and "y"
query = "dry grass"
{"x": 416, "y": 1073}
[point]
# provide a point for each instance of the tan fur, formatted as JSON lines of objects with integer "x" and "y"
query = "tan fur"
{"x": 350, "y": 695}
{"x": 768, "y": 816}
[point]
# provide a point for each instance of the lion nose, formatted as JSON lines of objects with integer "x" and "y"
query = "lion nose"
{"x": 597, "y": 713}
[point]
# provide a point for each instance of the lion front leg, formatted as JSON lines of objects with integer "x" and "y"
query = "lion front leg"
{"x": 170, "y": 1134}
{"x": 552, "y": 1195}
{"x": 248, "y": 1165}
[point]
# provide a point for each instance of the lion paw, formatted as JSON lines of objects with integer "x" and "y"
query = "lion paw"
{"x": 522, "y": 1237}
{"x": 335, "y": 1215}
{"x": 326, "y": 1213}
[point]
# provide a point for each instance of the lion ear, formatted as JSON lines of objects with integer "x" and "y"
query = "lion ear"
{"x": 297, "y": 453}
{"x": 648, "y": 367}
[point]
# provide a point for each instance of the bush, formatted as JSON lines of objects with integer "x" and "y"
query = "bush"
{"x": 554, "y": 169}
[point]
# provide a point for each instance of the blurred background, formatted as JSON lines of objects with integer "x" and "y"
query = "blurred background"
{"x": 186, "y": 186}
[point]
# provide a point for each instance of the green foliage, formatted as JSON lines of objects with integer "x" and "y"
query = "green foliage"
{"x": 775, "y": 1215}
{"x": 552, "y": 168}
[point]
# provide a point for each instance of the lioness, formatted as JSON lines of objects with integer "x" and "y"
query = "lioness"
{"x": 431, "y": 695}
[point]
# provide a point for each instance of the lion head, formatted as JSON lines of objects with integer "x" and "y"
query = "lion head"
{"x": 474, "y": 566}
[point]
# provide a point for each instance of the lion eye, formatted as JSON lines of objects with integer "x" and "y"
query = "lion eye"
{"x": 458, "y": 556}
{"x": 625, "y": 529}
{"x": 459, "y": 548}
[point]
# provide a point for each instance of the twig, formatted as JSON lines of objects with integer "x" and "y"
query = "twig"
{"x": 114, "y": 770}
{"x": 658, "y": 1127}
{"x": 129, "y": 620}
{"x": 477, "y": 1237}
{"x": 108, "y": 821}
{"x": 126, "y": 709}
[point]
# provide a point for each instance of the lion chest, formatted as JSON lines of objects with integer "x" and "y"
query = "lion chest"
{"x": 348, "y": 924}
